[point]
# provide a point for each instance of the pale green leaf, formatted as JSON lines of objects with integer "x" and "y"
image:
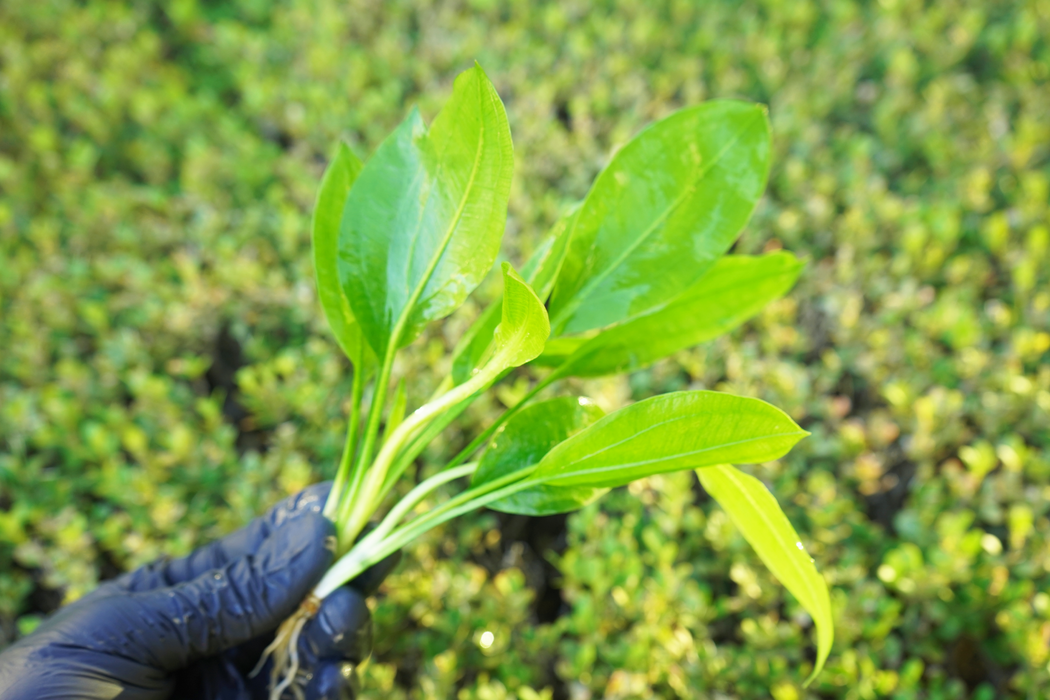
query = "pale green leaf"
{"x": 758, "y": 516}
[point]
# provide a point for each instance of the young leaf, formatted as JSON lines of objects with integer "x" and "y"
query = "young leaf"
{"x": 735, "y": 289}
{"x": 338, "y": 178}
{"x": 423, "y": 222}
{"x": 670, "y": 432}
{"x": 540, "y": 272}
{"x": 523, "y": 441}
{"x": 667, "y": 206}
{"x": 523, "y": 328}
{"x": 758, "y": 516}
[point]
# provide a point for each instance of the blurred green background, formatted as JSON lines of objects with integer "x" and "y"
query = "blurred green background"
{"x": 166, "y": 373}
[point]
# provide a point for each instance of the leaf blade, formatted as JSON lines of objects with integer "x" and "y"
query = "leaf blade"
{"x": 336, "y": 183}
{"x": 670, "y": 202}
{"x": 758, "y": 516}
{"x": 524, "y": 441}
{"x": 734, "y": 290}
{"x": 670, "y": 432}
{"x": 423, "y": 222}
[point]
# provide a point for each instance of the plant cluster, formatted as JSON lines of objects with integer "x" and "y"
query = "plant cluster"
{"x": 166, "y": 373}
{"x": 632, "y": 274}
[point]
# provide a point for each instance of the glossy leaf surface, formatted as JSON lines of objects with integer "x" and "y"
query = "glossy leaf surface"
{"x": 735, "y": 289}
{"x": 667, "y": 206}
{"x": 758, "y": 516}
{"x": 670, "y": 432}
{"x": 423, "y": 222}
{"x": 540, "y": 272}
{"x": 524, "y": 441}
{"x": 328, "y": 212}
{"x": 523, "y": 328}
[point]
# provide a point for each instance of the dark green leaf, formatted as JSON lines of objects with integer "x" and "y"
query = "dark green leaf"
{"x": 328, "y": 211}
{"x": 758, "y": 516}
{"x": 671, "y": 432}
{"x": 523, "y": 441}
{"x": 735, "y": 289}
{"x": 423, "y": 221}
{"x": 659, "y": 216}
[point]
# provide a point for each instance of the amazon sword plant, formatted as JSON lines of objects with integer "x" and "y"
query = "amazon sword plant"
{"x": 633, "y": 273}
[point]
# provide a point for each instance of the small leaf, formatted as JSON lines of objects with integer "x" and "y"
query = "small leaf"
{"x": 523, "y": 441}
{"x": 523, "y": 328}
{"x": 540, "y": 272}
{"x": 758, "y": 516}
{"x": 735, "y": 289}
{"x": 328, "y": 211}
{"x": 422, "y": 224}
{"x": 667, "y": 206}
{"x": 671, "y": 432}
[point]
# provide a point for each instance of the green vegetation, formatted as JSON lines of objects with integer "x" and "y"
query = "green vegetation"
{"x": 166, "y": 371}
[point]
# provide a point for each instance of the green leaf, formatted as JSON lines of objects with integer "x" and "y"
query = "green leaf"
{"x": 338, "y": 178}
{"x": 668, "y": 205}
{"x": 671, "y": 432}
{"x": 540, "y": 272}
{"x": 474, "y": 345}
{"x": 546, "y": 262}
{"x": 758, "y": 516}
{"x": 523, "y": 328}
{"x": 735, "y": 289}
{"x": 524, "y": 441}
{"x": 423, "y": 222}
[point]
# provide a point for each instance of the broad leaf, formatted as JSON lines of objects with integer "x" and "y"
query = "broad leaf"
{"x": 423, "y": 222}
{"x": 668, "y": 205}
{"x": 523, "y": 441}
{"x": 735, "y": 289}
{"x": 671, "y": 432}
{"x": 328, "y": 211}
{"x": 540, "y": 272}
{"x": 523, "y": 328}
{"x": 758, "y": 516}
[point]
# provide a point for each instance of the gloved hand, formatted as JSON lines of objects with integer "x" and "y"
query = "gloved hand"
{"x": 195, "y": 627}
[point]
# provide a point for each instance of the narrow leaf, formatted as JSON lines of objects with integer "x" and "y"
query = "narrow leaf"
{"x": 758, "y": 516}
{"x": 423, "y": 222}
{"x": 667, "y": 206}
{"x": 338, "y": 178}
{"x": 524, "y": 441}
{"x": 735, "y": 289}
{"x": 671, "y": 432}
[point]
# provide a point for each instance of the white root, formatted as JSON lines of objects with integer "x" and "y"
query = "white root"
{"x": 284, "y": 650}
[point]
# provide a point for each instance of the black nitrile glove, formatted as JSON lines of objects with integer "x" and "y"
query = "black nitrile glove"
{"x": 195, "y": 627}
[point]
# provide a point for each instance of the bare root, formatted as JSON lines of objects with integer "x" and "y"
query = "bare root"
{"x": 284, "y": 650}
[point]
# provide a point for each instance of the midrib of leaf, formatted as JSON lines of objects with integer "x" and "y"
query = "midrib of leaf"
{"x": 690, "y": 189}
{"x": 418, "y": 291}
{"x": 627, "y": 465}
{"x": 777, "y": 534}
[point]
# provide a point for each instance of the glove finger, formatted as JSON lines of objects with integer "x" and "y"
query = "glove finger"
{"x": 247, "y": 597}
{"x": 333, "y": 680}
{"x": 341, "y": 630}
{"x": 170, "y": 572}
